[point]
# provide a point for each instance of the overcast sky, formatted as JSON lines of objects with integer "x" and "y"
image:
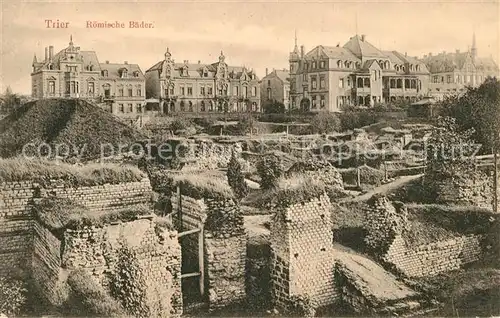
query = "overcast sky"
{"x": 256, "y": 34}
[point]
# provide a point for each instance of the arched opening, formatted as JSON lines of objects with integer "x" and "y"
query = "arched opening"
{"x": 339, "y": 64}
{"x": 183, "y": 106}
{"x": 360, "y": 100}
{"x": 305, "y": 105}
{"x": 387, "y": 65}
{"x": 190, "y": 106}
{"x": 367, "y": 100}
{"x": 202, "y": 106}
{"x": 172, "y": 106}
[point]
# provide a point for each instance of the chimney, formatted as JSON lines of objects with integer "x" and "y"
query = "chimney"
{"x": 46, "y": 53}
{"x": 363, "y": 37}
{"x": 125, "y": 62}
{"x": 107, "y": 62}
{"x": 51, "y": 52}
{"x": 302, "y": 49}
{"x": 267, "y": 71}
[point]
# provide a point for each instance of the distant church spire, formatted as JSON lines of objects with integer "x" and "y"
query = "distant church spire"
{"x": 474, "y": 48}
{"x": 71, "y": 40}
{"x": 296, "y": 47}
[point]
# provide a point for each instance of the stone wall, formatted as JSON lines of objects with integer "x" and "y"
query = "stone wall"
{"x": 433, "y": 258}
{"x": 16, "y": 217}
{"x": 208, "y": 155}
{"x": 475, "y": 189}
{"x": 95, "y": 250}
{"x": 16, "y": 238}
{"x": 302, "y": 261}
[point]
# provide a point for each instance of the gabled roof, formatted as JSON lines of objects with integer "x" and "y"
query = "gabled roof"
{"x": 114, "y": 70}
{"x": 332, "y": 53}
{"x": 369, "y": 63}
{"x": 362, "y": 48}
{"x": 486, "y": 64}
{"x": 283, "y": 75}
{"x": 447, "y": 62}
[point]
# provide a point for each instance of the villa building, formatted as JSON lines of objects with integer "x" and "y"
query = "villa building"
{"x": 275, "y": 87}
{"x": 73, "y": 73}
{"x": 357, "y": 74}
{"x": 188, "y": 87}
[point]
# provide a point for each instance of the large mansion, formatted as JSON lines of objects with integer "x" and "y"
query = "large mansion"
{"x": 188, "y": 87}
{"x": 358, "y": 74}
{"x": 119, "y": 88}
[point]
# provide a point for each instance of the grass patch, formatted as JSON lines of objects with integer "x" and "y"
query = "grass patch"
{"x": 212, "y": 184}
{"x": 42, "y": 171}
{"x": 59, "y": 214}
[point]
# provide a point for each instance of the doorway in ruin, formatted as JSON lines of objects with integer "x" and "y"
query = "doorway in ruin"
{"x": 190, "y": 233}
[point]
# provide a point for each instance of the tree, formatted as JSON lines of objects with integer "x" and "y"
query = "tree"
{"x": 325, "y": 122}
{"x": 305, "y": 105}
{"x": 9, "y": 101}
{"x": 270, "y": 170}
{"x": 235, "y": 178}
{"x": 478, "y": 109}
{"x": 274, "y": 107}
{"x": 245, "y": 124}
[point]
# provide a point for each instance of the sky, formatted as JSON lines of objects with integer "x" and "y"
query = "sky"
{"x": 253, "y": 33}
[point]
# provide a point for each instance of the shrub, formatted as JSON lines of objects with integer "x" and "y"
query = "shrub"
{"x": 12, "y": 296}
{"x": 270, "y": 170}
{"x": 350, "y": 119}
{"x": 301, "y": 306}
{"x": 235, "y": 178}
{"x": 325, "y": 122}
{"x": 274, "y": 107}
{"x": 88, "y": 298}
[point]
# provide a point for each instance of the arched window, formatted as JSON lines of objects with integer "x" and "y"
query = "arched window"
{"x": 381, "y": 63}
{"x": 367, "y": 100}
{"x": 183, "y": 106}
{"x": 51, "y": 67}
{"x": 339, "y": 64}
{"x": 172, "y": 106}
{"x": 360, "y": 100}
{"x": 367, "y": 82}
{"x": 358, "y": 64}
{"x": 360, "y": 82}
{"x": 387, "y": 65}
{"x": 190, "y": 106}
{"x": 202, "y": 106}
{"x": 211, "y": 106}
{"x": 346, "y": 64}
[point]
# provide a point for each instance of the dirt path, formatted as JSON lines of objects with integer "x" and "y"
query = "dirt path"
{"x": 385, "y": 188}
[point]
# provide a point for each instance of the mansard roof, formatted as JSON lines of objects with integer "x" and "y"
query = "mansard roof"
{"x": 115, "y": 69}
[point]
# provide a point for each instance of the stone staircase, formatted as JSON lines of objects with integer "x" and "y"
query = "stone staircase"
{"x": 369, "y": 289}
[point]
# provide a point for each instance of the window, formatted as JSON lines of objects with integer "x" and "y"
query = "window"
{"x": 269, "y": 93}
{"x": 210, "y": 91}
{"x": 348, "y": 82}
{"x": 172, "y": 93}
{"x": 138, "y": 108}
{"x": 190, "y": 91}
{"x": 313, "y": 97}
{"x": 304, "y": 77}
{"x": 339, "y": 64}
{"x": 314, "y": 65}
{"x": 235, "y": 91}
{"x": 202, "y": 90}
{"x": 120, "y": 92}
{"x": 72, "y": 87}
{"x": 190, "y": 106}
{"x": 322, "y": 101}
{"x": 130, "y": 91}
{"x": 130, "y": 108}
{"x": 322, "y": 83}
{"x": 182, "y": 91}
{"x": 268, "y": 82}
{"x": 448, "y": 79}
{"x": 52, "y": 87}
{"x": 136, "y": 74}
{"x": 124, "y": 73}
{"x": 442, "y": 79}
{"x": 91, "y": 88}
{"x": 121, "y": 108}
{"x": 322, "y": 64}
{"x": 313, "y": 83}
{"x": 202, "y": 106}
{"x": 139, "y": 91}
{"x": 245, "y": 91}
{"x": 254, "y": 91}
{"x": 341, "y": 83}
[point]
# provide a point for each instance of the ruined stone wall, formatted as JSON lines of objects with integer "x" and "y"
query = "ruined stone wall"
{"x": 95, "y": 250}
{"x": 16, "y": 217}
{"x": 209, "y": 155}
{"x": 46, "y": 262}
{"x": 475, "y": 189}
{"x": 302, "y": 254}
{"x": 433, "y": 258}
{"x": 225, "y": 253}
{"x": 106, "y": 197}
{"x": 16, "y": 238}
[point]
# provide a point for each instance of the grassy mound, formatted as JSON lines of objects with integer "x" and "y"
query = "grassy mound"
{"x": 42, "y": 171}
{"x": 77, "y": 124}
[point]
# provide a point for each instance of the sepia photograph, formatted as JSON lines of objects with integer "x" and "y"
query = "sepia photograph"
{"x": 249, "y": 158}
